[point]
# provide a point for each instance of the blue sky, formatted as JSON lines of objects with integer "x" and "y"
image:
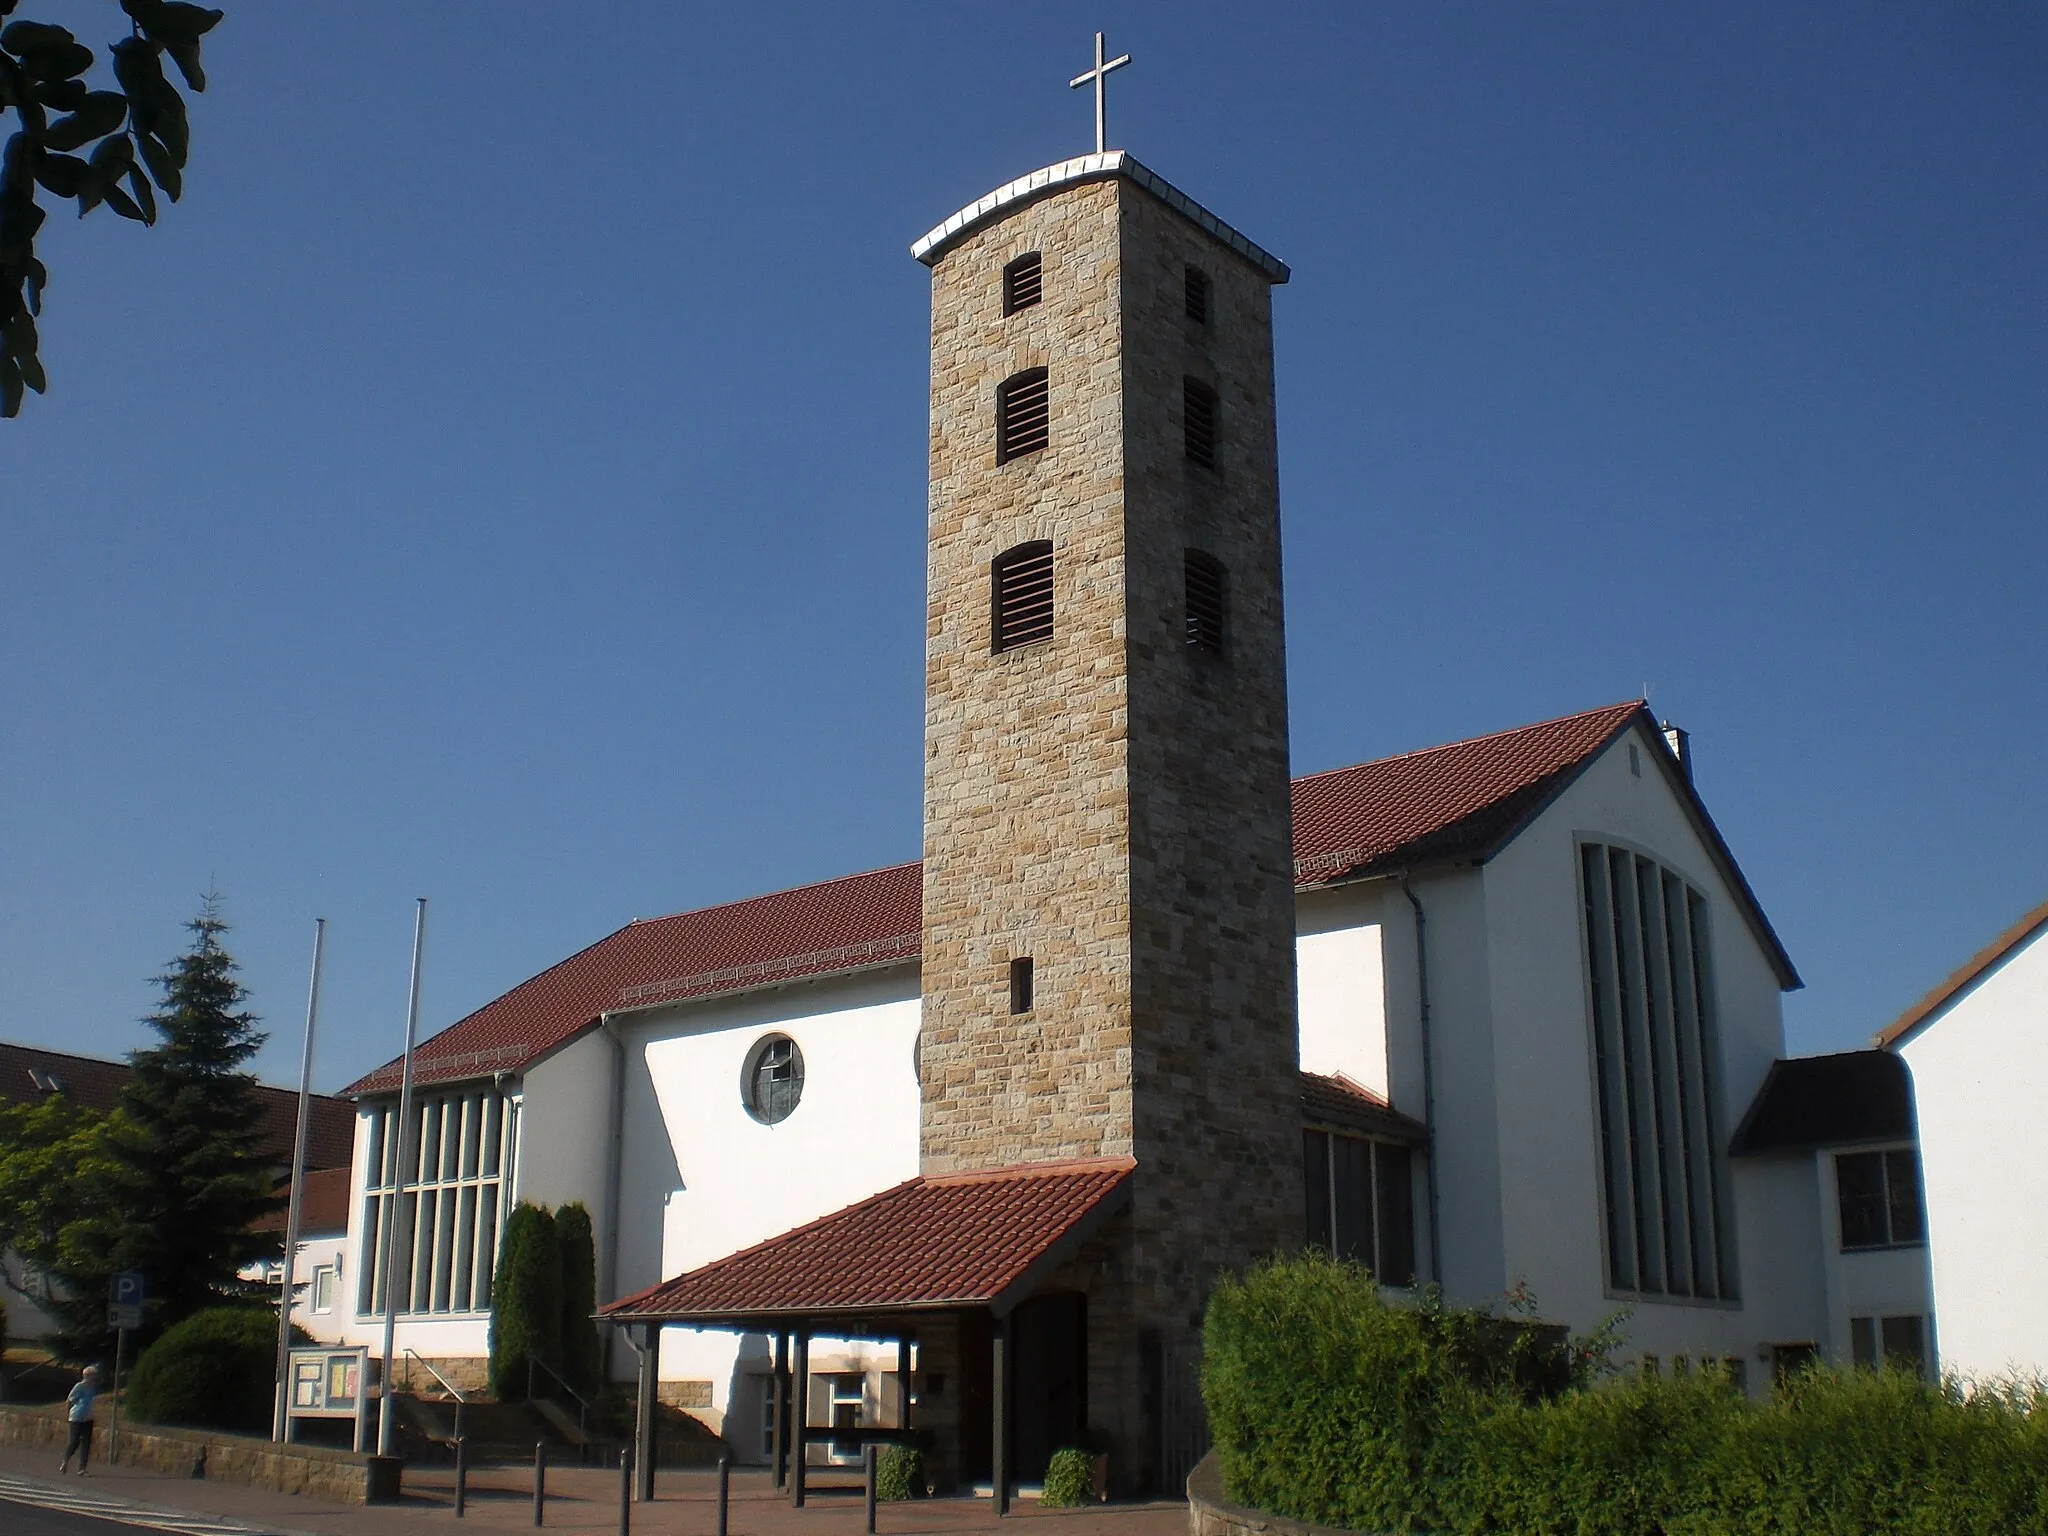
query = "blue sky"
{"x": 502, "y": 477}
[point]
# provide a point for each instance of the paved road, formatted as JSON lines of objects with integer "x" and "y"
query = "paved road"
{"x": 73, "y": 1508}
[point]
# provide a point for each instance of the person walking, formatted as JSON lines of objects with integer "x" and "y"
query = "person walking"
{"x": 80, "y": 1416}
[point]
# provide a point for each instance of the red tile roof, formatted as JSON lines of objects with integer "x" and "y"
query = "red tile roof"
{"x": 1462, "y": 802}
{"x": 1336, "y": 1102}
{"x": 324, "y": 1211}
{"x": 968, "y": 1239}
{"x": 94, "y": 1083}
{"x": 1973, "y": 970}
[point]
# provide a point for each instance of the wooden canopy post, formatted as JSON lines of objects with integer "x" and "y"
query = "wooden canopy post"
{"x": 903, "y": 1380}
{"x": 799, "y": 1416}
{"x": 649, "y": 1414}
{"x": 778, "y": 1403}
{"x": 999, "y": 1409}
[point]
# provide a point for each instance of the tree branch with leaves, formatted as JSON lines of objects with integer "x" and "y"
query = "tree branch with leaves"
{"x": 117, "y": 148}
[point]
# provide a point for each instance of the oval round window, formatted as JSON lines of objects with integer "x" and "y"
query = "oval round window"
{"x": 773, "y": 1079}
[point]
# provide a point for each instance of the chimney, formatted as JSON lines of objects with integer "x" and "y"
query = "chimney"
{"x": 1679, "y": 741}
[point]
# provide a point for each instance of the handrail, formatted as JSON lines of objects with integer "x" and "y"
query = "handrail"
{"x": 582, "y": 1402}
{"x": 447, "y": 1386}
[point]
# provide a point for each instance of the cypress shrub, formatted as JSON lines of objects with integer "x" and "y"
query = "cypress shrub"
{"x": 1069, "y": 1479}
{"x": 899, "y": 1472}
{"x": 215, "y": 1370}
{"x": 526, "y": 1301}
{"x": 582, "y": 1353}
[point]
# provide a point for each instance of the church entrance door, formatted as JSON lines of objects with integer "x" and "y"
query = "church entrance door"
{"x": 1050, "y": 1400}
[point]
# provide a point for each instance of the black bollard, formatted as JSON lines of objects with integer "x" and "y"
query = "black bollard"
{"x": 869, "y": 1458}
{"x": 461, "y": 1475}
{"x": 724, "y": 1488}
{"x": 540, "y": 1479}
{"x": 625, "y": 1490}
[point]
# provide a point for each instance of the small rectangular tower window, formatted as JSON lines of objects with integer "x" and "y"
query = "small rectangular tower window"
{"x": 1023, "y": 420}
{"x": 1020, "y": 582}
{"x": 1208, "y": 597}
{"x": 1198, "y": 412}
{"x": 1198, "y": 295}
{"x": 1022, "y": 283}
{"x": 1020, "y": 985}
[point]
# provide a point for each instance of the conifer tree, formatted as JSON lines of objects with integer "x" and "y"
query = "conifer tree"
{"x": 582, "y": 1351}
{"x": 186, "y": 1175}
{"x": 526, "y": 1302}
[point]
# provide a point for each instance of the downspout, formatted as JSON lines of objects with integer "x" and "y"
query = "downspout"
{"x": 608, "y": 1279}
{"x": 1436, "y": 1248}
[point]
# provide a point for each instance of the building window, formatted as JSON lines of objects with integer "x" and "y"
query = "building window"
{"x": 773, "y": 1081}
{"x": 1361, "y": 1202}
{"x": 460, "y": 1148}
{"x": 1021, "y": 984}
{"x": 323, "y": 1288}
{"x": 1023, "y": 415}
{"x": 1020, "y": 588}
{"x": 1022, "y": 283}
{"x": 1198, "y": 420}
{"x": 1663, "y": 1162}
{"x": 849, "y": 1396}
{"x": 1879, "y": 1196}
{"x": 1898, "y": 1341}
{"x": 1198, "y": 295}
{"x": 1208, "y": 594}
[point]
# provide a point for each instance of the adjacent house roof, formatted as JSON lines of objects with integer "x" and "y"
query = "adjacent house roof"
{"x": 1336, "y": 1103}
{"x": 1979, "y": 965}
{"x": 28, "y": 1073}
{"x": 982, "y": 1239}
{"x": 1460, "y": 803}
{"x": 324, "y": 1210}
{"x": 1828, "y": 1101}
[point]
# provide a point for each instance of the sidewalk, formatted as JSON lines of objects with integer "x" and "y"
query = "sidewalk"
{"x": 586, "y": 1501}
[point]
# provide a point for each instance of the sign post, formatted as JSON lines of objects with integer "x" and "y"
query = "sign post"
{"x": 125, "y": 1296}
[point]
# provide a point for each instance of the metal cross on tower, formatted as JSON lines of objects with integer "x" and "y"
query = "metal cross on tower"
{"x": 1099, "y": 74}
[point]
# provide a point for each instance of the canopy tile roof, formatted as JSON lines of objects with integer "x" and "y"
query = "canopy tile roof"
{"x": 1838, "y": 1100}
{"x": 1458, "y": 803}
{"x": 969, "y": 1239}
{"x": 1336, "y": 1102}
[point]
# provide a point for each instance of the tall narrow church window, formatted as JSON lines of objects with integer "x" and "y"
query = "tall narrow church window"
{"x": 773, "y": 1080}
{"x": 1020, "y": 582}
{"x": 1021, "y": 982}
{"x": 1023, "y": 417}
{"x": 460, "y": 1147}
{"x": 1656, "y": 1062}
{"x": 1198, "y": 416}
{"x": 1022, "y": 283}
{"x": 1361, "y": 1202}
{"x": 1198, "y": 295}
{"x": 1208, "y": 596}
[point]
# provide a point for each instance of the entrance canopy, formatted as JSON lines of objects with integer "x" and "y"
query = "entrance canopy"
{"x": 984, "y": 1239}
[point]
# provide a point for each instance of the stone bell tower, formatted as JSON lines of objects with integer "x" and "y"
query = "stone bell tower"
{"x": 1108, "y": 963}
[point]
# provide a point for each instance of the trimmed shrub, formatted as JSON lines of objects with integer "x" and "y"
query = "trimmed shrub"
{"x": 215, "y": 1370}
{"x": 1330, "y": 1405}
{"x": 526, "y": 1302}
{"x": 899, "y": 1472}
{"x": 1069, "y": 1479}
{"x": 582, "y": 1353}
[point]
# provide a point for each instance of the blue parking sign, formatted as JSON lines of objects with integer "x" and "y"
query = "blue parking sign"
{"x": 129, "y": 1290}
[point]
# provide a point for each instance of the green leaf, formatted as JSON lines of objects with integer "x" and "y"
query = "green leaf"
{"x": 62, "y": 95}
{"x": 175, "y": 22}
{"x": 145, "y": 199}
{"x": 161, "y": 166}
{"x": 62, "y": 174}
{"x": 101, "y": 113}
{"x": 25, "y": 37}
{"x": 57, "y": 63}
{"x": 186, "y": 57}
{"x": 124, "y": 205}
{"x": 113, "y": 157}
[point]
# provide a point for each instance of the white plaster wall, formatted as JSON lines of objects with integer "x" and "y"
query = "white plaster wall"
{"x": 565, "y": 1118}
{"x": 1550, "y": 1206}
{"x": 1341, "y": 982}
{"x": 1979, "y": 1070}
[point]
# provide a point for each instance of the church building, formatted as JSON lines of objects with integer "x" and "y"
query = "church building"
{"x": 958, "y": 1148}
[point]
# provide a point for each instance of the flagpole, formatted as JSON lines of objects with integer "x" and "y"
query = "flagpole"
{"x": 387, "y": 1423}
{"x": 298, "y": 1195}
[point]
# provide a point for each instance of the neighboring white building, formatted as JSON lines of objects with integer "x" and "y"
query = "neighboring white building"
{"x": 1977, "y": 1047}
{"x": 321, "y": 1262}
{"x": 647, "y": 1077}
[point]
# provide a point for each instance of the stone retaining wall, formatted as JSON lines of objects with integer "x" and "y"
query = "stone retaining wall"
{"x": 1211, "y": 1514}
{"x": 340, "y": 1477}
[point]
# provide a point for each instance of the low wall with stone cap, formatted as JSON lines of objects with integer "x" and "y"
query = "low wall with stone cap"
{"x": 340, "y": 1477}
{"x": 1211, "y": 1514}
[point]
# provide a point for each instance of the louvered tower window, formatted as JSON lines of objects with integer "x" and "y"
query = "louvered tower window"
{"x": 1021, "y": 590}
{"x": 1023, "y": 283}
{"x": 1198, "y": 295}
{"x": 1198, "y": 406}
{"x": 1208, "y": 601}
{"x": 1022, "y": 420}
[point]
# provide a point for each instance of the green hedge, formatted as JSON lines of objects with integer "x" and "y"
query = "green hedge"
{"x": 1069, "y": 1479}
{"x": 526, "y": 1303}
{"x": 1329, "y": 1405}
{"x": 899, "y": 1472}
{"x": 215, "y": 1370}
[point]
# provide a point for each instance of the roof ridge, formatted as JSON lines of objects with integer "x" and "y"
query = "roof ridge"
{"x": 123, "y": 1064}
{"x": 1963, "y": 978}
{"x": 786, "y": 890}
{"x": 1473, "y": 741}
